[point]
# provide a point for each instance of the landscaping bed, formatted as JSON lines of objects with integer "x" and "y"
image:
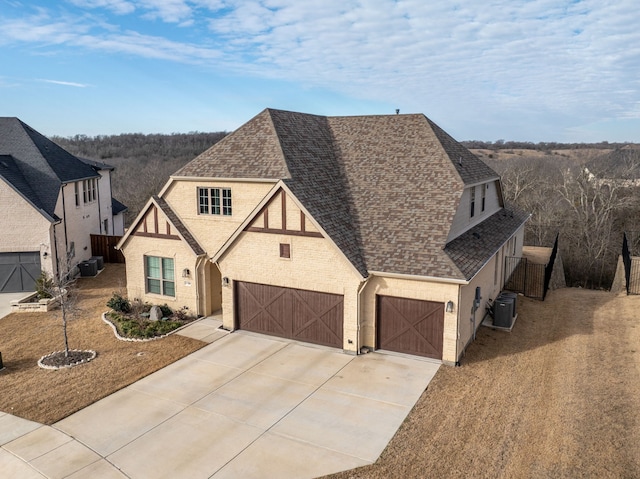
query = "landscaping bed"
{"x": 47, "y": 396}
{"x": 134, "y": 320}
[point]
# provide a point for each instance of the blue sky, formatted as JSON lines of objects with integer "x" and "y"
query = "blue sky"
{"x": 529, "y": 70}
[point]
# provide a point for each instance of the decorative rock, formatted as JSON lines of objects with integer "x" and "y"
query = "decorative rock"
{"x": 155, "y": 314}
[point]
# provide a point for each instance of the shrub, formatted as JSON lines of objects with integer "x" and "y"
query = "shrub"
{"x": 44, "y": 285}
{"x": 119, "y": 303}
{"x": 166, "y": 310}
{"x": 141, "y": 328}
{"x": 182, "y": 314}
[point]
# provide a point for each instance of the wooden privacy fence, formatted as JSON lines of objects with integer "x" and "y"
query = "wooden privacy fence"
{"x": 631, "y": 268}
{"x": 528, "y": 278}
{"x": 104, "y": 245}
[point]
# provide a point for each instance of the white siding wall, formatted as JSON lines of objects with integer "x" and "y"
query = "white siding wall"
{"x": 118, "y": 224}
{"x": 104, "y": 195}
{"x": 462, "y": 221}
{"x": 81, "y": 222}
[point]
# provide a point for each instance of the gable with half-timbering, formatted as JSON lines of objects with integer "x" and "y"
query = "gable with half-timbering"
{"x": 281, "y": 215}
{"x": 155, "y": 224}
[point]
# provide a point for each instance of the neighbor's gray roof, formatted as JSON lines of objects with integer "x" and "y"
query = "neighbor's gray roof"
{"x": 177, "y": 222}
{"x": 97, "y": 165}
{"x": 117, "y": 207}
{"x": 39, "y": 166}
{"x": 385, "y": 188}
{"x": 10, "y": 172}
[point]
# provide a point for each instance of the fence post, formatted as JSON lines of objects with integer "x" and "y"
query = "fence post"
{"x": 626, "y": 260}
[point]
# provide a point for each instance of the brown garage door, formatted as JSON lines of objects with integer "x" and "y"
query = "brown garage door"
{"x": 410, "y": 326}
{"x": 290, "y": 313}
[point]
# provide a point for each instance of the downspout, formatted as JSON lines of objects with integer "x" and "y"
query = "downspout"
{"x": 55, "y": 248}
{"x": 199, "y": 283}
{"x": 359, "y": 309}
{"x": 458, "y": 313}
{"x": 99, "y": 207}
{"x": 64, "y": 222}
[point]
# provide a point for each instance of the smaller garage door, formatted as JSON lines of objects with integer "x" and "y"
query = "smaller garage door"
{"x": 297, "y": 314}
{"x": 19, "y": 271}
{"x": 410, "y": 326}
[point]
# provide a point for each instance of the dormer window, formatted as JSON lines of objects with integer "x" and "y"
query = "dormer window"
{"x": 473, "y": 201}
{"x": 214, "y": 201}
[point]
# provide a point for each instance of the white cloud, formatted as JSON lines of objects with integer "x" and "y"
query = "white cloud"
{"x": 64, "y": 83}
{"x": 120, "y": 7}
{"x": 497, "y": 61}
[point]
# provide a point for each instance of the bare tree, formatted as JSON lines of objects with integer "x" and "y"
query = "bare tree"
{"x": 62, "y": 287}
{"x": 592, "y": 208}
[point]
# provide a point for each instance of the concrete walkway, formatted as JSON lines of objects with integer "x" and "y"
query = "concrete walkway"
{"x": 247, "y": 406}
{"x": 5, "y": 302}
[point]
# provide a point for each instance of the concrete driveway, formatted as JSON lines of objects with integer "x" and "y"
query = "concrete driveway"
{"x": 247, "y": 406}
{"x": 5, "y": 302}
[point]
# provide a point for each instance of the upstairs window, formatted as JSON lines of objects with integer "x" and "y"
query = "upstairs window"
{"x": 214, "y": 201}
{"x": 76, "y": 190}
{"x": 473, "y": 201}
{"x": 483, "y": 197}
{"x": 89, "y": 190}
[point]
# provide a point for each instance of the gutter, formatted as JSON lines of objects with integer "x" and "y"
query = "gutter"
{"x": 359, "y": 315}
{"x": 430, "y": 279}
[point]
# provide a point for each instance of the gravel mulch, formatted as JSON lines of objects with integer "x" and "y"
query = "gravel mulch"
{"x": 46, "y": 396}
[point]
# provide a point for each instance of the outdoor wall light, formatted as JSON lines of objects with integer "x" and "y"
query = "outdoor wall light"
{"x": 225, "y": 281}
{"x": 186, "y": 273}
{"x": 450, "y": 306}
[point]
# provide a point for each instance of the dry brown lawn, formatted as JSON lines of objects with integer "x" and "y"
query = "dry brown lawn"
{"x": 47, "y": 396}
{"x": 559, "y": 396}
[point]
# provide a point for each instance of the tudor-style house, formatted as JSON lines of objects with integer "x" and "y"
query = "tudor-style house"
{"x": 377, "y": 232}
{"x": 52, "y": 201}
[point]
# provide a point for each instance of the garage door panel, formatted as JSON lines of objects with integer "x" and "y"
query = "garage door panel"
{"x": 410, "y": 326}
{"x": 320, "y": 326}
{"x": 19, "y": 271}
{"x": 303, "y": 315}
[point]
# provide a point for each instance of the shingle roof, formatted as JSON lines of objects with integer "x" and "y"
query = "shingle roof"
{"x": 385, "y": 188}
{"x": 252, "y": 151}
{"x": 471, "y": 250}
{"x": 179, "y": 225}
{"x": 97, "y": 165}
{"x": 43, "y": 165}
{"x": 10, "y": 172}
{"x": 117, "y": 207}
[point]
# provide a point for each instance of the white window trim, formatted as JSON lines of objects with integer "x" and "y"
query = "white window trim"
{"x": 162, "y": 279}
{"x": 214, "y": 201}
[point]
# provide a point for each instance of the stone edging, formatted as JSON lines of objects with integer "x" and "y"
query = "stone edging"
{"x": 45, "y": 366}
{"x": 139, "y": 340}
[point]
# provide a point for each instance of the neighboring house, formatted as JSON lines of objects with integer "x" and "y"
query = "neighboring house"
{"x": 350, "y": 232}
{"x": 52, "y": 202}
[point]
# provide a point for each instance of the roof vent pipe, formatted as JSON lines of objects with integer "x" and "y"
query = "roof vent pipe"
{"x": 397, "y": 111}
